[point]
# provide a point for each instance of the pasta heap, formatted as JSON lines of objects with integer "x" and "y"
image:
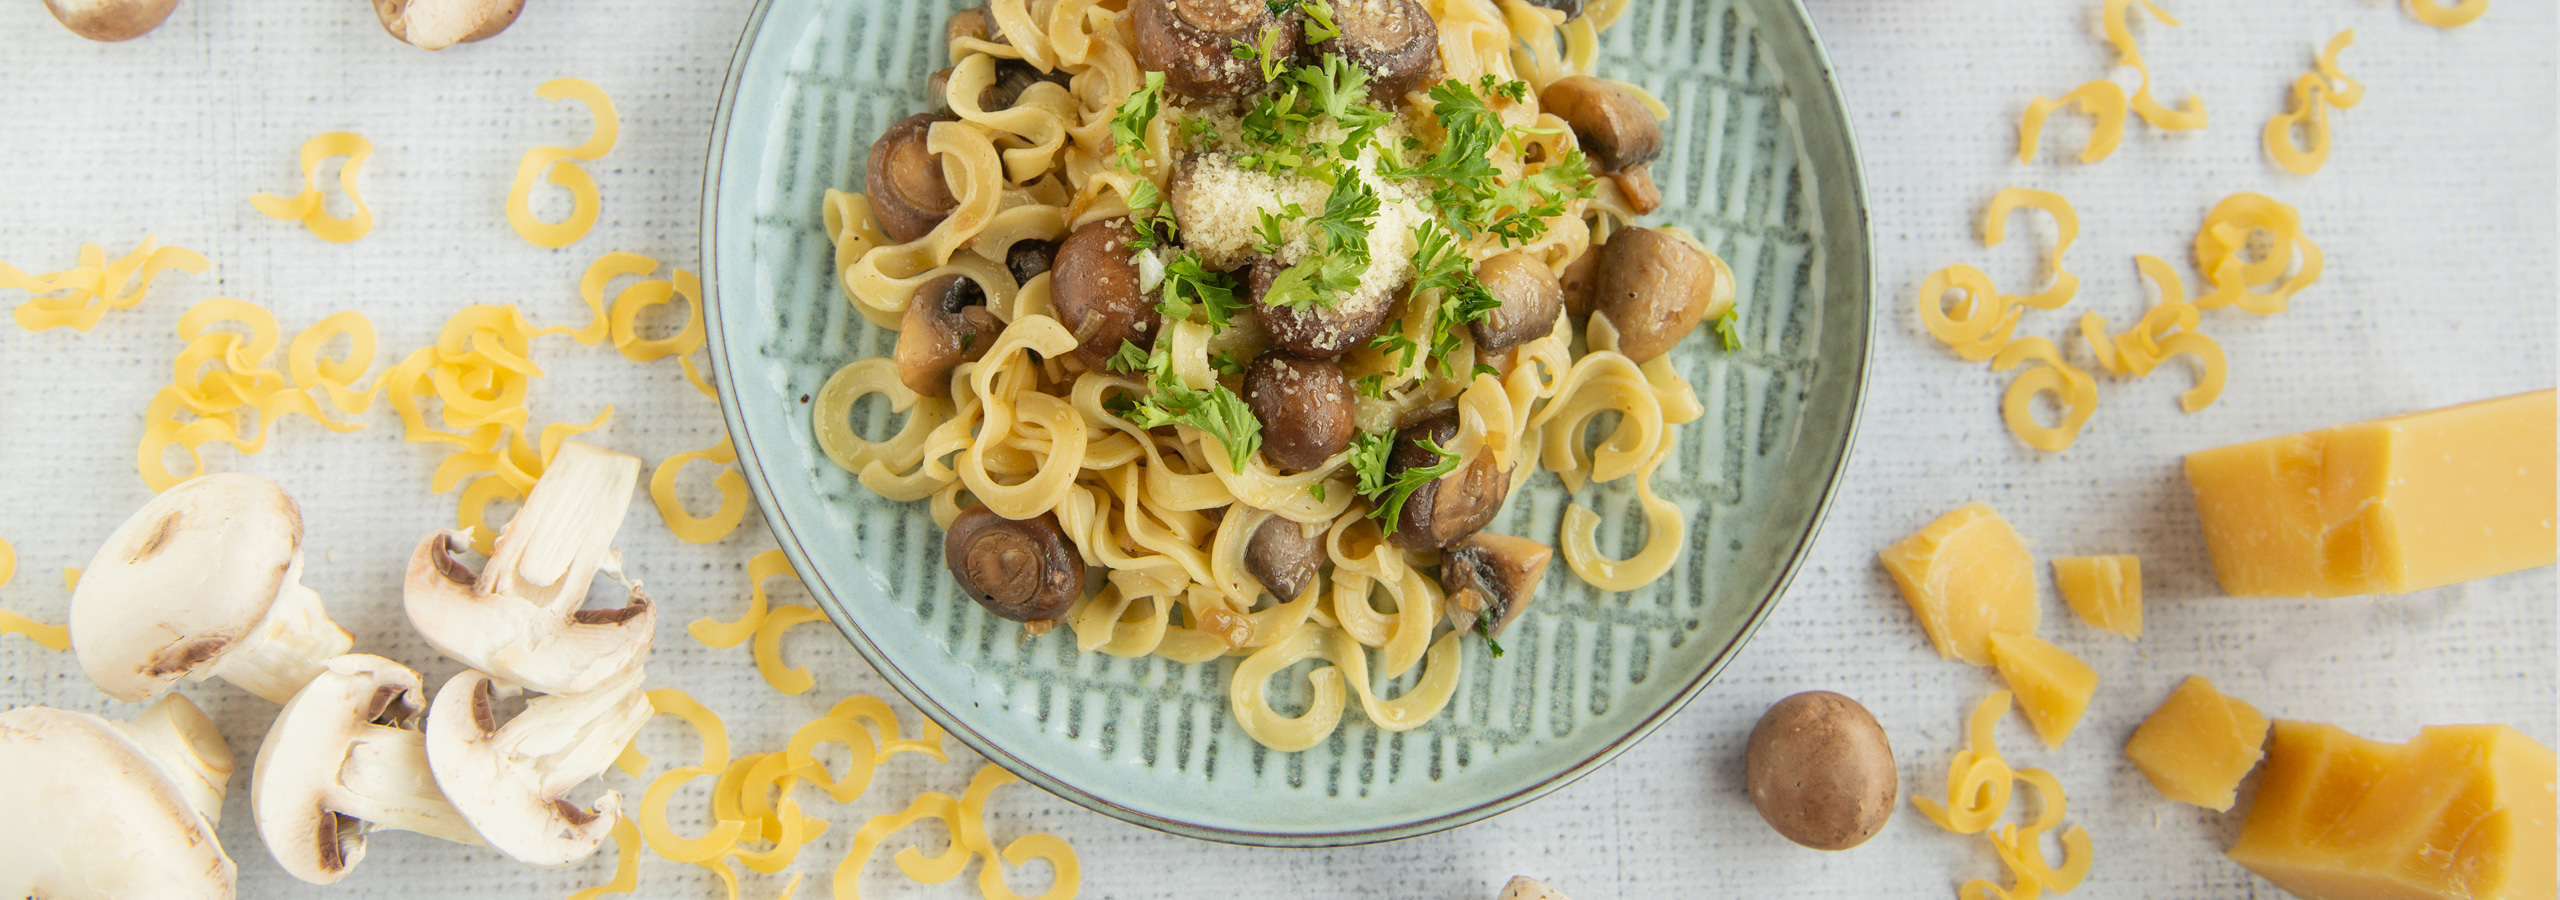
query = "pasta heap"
{"x": 1370, "y": 237}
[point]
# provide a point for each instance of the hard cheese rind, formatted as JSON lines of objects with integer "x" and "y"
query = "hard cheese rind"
{"x": 2053, "y": 686}
{"x": 2388, "y": 506}
{"x": 2463, "y": 811}
{"x": 1966, "y": 576}
{"x": 2105, "y": 590}
{"x": 2198, "y": 745}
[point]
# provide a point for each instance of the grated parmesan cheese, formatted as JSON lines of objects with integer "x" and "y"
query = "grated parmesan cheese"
{"x": 1217, "y": 206}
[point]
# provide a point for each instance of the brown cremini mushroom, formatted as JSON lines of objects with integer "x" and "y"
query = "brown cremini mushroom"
{"x": 1614, "y": 129}
{"x": 1020, "y": 570}
{"x": 1396, "y": 41}
{"x": 112, "y": 20}
{"x": 973, "y": 22}
{"x": 1193, "y": 43}
{"x": 1654, "y": 288}
{"x": 1451, "y": 506}
{"x": 1493, "y": 576}
{"x": 1284, "y": 557}
{"x": 947, "y": 323}
{"x": 1304, "y": 406}
{"x": 1530, "y": 295}
{"x": 1093, "y": 285}
{"x": 1013, "y": 76}
{"x": 1577, "y": 281}
{"x": 1314, "y": 330}
{"x": 1028, "y": 258}
{"x": 437, "y": 24}
{"x": 904, "y": 179}
{"x": 1820, "y": 771}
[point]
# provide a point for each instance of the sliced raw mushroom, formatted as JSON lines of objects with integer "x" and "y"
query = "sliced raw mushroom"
{"x": 511, "y": 781}
{"x": 1493, "y": 576}
{"x": 1304, "y": 406}
{"x": 110, "y": 20}
{"x": 1396, "y": 41}
{"x": 1094, "y": 288}
{"x": 1451, "y": 506}
{"x": 1614, "y": 129}
{"x": 1654, "y": 288}
{"x": 103, "y": 809}
{"x": 1193, "y": 43}
{"x": 518, "y": 618}
{"x": 1020, "y": 570}
{"x": 947, "y": 323}
{"x": 202, "y": 582}
{"x": 1314, "y": 330}
{"x": 904, "y": 179}
{"x": 437, "y": 24}
{"x": 1284, "y": 557}
{"x": 345, "y": 758}
{"x": 1531, "y": 298}
{"x": 1578, "y": 279}
{"x": 1026, "y": 259}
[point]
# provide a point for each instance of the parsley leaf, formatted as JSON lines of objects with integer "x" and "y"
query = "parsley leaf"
{"x": 1316, "y": 490}
{"x": 1339, "y": 239}
{"x": 1148, "y": 217}
{"x": 1265, "y": 56}
{"x": 1369, "y": 451}
{"x": 1320, "y": 27}
{"x": 1227, "y": 364}
{"x": 1439, "y": 263}
{"x": 1469, "y": 188}
{"x": 1387, "y": 492}
{"x": 1729, "y": 327}
{"x": 1129, "y": 125}
{"x": 1372, "y": 386}
{"x": 1217, "y": 411}
{"x": 1188, "y": 284}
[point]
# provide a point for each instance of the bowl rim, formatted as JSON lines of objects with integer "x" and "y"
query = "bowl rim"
{"x": 1834, "y": 109}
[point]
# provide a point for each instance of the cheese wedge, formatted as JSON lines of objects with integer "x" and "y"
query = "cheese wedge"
{"x": 2388, "y": 506}
{"x": 2053, "y": 686}
{"x": 2198, "y": 745}
{"x": 1966, "y": 576}
{"x": 2105, "y": 590}
{"x": 2463, "y": 811}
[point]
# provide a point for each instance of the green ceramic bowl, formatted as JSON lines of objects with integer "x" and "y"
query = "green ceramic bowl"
{"x": 1760, "y": 164}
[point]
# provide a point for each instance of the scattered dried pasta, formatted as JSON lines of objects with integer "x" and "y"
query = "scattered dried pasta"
{"x": 2168, "y": 329}
{"x": 79, "y": 296}
{"x": 2022, "y": 849}
{"x": 966, "y": 818}
{"x": 2313, "y": 95}
{"x": 2072, "y": 387}
{"x": 2120, "y": 33}
{"x": 1983, "y": 319}
{"x": 54, "y": 637}
{"x": 1978, "y": 780}
{"x": 2066, "y": 222}
{"x": 732, "y": 487}
{"x": 715, "y": 633}
{"x": 2434, "y": 12}
{"x": 2221, "y": 254}
{"x": 307, "y": 206}
{"x": 562, "y": 172}
{"x": 768, "y": 649}
{"x": 2102, "y": 100}
{"x": 222, "y": 377}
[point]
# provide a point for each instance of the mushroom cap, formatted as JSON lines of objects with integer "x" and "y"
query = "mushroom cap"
{"x": 947, "y": 323}
{"x": 294, "y": 790}
{"x": 181, "y": 582}
{"x": 1284, "y": 557}
{"x": 1192, "y": 42}
{"x": 505, "y": 780}
{"x": 908, "y": 192}
{"x": 110, "y": 20}
{"x": 1655, "y": 287}
{"x": 1452, "y": 506}
{"x": 437, "y": 24}
{"x": 519, "y": 617}
{"x": 1093, "y": 286}
{"x": 1492, "y": 575}
{"x": 1531, "y": 298}
{"x": 1614, "y": 128}
{"x": 90, "y": 814}
{"x": 1395, "y": 41}
{"x": 1020, "y": 570}
{"x": 1305, "y": 408}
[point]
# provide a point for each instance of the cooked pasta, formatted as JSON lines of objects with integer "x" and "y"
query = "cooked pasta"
{"x": 1265, "y": 324}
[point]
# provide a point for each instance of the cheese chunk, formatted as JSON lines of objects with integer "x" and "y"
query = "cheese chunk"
{"x": 2053, "y": 686}
{"x": 2463, "y": 811}
{"x": 2105, "y": 590}
{"x": 2199, "y": 744}
{"x": 2388, "y": 506}
{"x": 1966, "y": 576}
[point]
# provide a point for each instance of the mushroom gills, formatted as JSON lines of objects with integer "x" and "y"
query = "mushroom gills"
{"x": 1020, "y": 570}
{"x": 344, "y": 759}
{"x": 510, "y": 782}
{"x": 519, "y": 619}
{"x": 1493, "y": 576}
{"x": 1027, "y": 258}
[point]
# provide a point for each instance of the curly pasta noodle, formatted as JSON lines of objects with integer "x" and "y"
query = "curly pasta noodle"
{"x": 1166, "y": 512}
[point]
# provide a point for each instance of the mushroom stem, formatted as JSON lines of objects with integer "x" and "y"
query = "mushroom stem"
{"x": 385, "y": 781}
{"x": 189, "y": 750}
{"x": 288, "y": 648}
{"x": 572, "y": 737}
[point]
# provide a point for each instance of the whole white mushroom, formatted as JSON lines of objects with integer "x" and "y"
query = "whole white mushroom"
{"x": 344, "y": 758}
{"x": 99, "y": 809}
{"x": 202, "y": 582}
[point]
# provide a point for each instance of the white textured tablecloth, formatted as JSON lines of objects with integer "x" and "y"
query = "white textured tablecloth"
{"x": 2436, "y": 213}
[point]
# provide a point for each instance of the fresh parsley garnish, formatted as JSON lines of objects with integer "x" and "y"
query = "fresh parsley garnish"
{"x": 1440, "y": 263}
{"x": 1320, "y": 27}
{"x": 1729, "y": 327}
{"x": 1372, "y": 386}
{"x": 1280, "y": 125}
{"x": 1388, "y": 492}
{"x": 1129, "y": 125}
{"x": 1265, "y": 56}
{"x": 1467, "y": 185}
{"x": 1316, "y": 490}
{"x": 1148, "y": 216}
{"x": 1484, "y": 629}
{"x": 1226, "y": 363}
{"x": 1215, "y": 410}
{"x": 1338, "y": 244}
{"x": 1188, "y": 285}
